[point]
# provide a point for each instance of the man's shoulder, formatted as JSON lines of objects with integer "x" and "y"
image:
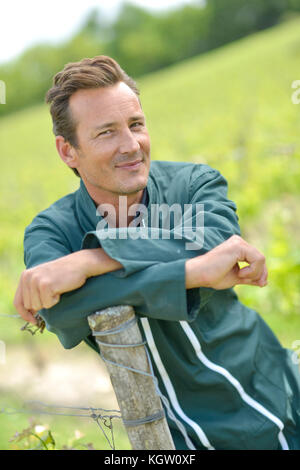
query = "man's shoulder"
{"x": 186, "y": 171}
{"x": 56, "y": 215}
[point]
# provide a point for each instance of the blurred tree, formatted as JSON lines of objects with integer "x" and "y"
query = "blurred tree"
{"x": 144, "y": 42}
{"x": 96, "y": 26}
{"x": 140, "y": 41}
{"x": 294, "y": 5}
{"x": 134, "y": 31}
{"x": 30, "y": 76}
{"x": 184, "y": 32}
{"x": 234, "y": 19}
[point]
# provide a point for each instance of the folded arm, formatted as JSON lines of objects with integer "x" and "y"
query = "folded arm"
{"x": 152, "y": 275}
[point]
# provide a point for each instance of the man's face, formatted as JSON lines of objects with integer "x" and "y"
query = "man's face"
{"x": 114, "y": 146}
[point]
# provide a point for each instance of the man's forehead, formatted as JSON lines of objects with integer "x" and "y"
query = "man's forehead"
{"x": 104, "y": 102}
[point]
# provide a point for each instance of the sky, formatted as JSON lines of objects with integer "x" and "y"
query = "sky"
{"x": 25, "y": 23}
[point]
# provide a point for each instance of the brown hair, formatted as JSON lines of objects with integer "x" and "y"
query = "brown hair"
{"x": 100, "y": 71}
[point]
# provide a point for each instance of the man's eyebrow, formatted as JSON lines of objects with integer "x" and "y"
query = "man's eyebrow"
{"x": 137, "y": 117}
{"x": 104, "y": 126}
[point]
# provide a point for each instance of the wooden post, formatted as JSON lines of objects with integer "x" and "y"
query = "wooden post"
{"x": 136, "y": 394}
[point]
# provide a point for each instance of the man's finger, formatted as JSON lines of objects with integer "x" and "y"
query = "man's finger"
{"x": 256, "y": 262}
{"x": 49, "y": 300}
{"x": 263, "y": 281}
{"x": 244, "y": 272}
{"x": 35, "y": 298}
{"x": 47, "y": 297}
{"x": 27, "y": 315}
{"x": 26, "y": 297}
{"x": 249, "y": 282}
{"x": 253, "y": 272}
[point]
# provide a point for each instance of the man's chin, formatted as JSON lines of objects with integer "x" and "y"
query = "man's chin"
{"x": 133, "y": 187}
{"x": 132, "y": 190}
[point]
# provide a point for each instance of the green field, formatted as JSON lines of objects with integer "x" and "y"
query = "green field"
{"x": 230, "y": 108}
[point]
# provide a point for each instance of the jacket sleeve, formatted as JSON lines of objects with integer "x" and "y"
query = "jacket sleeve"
{"x": 209, "y": 219}
{"x": 157, "y": 291}
{"x": 153, "y": 277}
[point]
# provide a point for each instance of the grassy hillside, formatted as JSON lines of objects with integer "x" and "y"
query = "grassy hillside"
{"x": 231, "y": 109}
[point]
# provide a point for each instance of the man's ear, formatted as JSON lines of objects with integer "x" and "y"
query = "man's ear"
{"x": 66, "y": 152}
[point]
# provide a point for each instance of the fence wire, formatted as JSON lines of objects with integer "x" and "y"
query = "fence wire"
{"x": 102, "y": 420}
{"x": 98, "y": 418}
{"x": 103, "y": 417}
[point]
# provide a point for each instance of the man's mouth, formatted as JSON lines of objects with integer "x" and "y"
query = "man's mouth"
{"x": 130, "y": 165}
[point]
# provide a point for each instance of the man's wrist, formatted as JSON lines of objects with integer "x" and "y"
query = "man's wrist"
{"x": 95, "y": 262}
{"x": 194, "y": 272}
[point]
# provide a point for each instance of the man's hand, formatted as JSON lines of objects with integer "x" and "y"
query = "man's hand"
{"x": 41, "y": 286}
{"x": 219, "y": 267}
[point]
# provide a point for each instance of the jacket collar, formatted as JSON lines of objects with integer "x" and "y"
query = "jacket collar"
{"x": 86, "y": 208}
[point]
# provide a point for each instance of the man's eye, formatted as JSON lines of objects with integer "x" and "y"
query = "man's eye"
{"x": 107, "y": 132}
{"x": 137, "y": 124}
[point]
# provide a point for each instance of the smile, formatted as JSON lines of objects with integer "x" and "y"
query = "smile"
{"x": 130, "y": 166}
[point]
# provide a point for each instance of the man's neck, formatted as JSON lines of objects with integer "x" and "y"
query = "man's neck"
{"x": 120, "y": 204}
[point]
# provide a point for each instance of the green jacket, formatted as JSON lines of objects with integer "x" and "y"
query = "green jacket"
{"x": 226, "y": 376}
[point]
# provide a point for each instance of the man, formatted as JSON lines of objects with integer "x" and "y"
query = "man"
{"x": 227, "y": 378}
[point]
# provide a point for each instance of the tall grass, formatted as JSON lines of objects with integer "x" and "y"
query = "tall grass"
{"x": 232, "y": 109}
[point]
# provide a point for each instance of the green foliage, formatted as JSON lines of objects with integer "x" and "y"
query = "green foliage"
{"x": 35, "y": 437}
{"x": 234, "y": 19}
{"x": 20, "y": 432}
{"x": 142, "y": 42}
{"x": 28, "y": 78}
{"x": 38, "y": 436}
{"x": 230, "y": 108}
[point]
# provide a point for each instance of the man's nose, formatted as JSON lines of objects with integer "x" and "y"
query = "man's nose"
{"x": 129, "y": 142}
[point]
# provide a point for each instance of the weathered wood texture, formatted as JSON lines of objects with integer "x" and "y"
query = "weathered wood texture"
{"x": 136, "y": 394}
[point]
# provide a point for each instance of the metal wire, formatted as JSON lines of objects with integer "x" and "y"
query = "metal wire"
{"x": 40, "y": 327}
{"x": 34, "y": 407}
{"x": 38, "y": 407}
{"x": 124, "y": 326}
{"x": 7, "y": 315}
